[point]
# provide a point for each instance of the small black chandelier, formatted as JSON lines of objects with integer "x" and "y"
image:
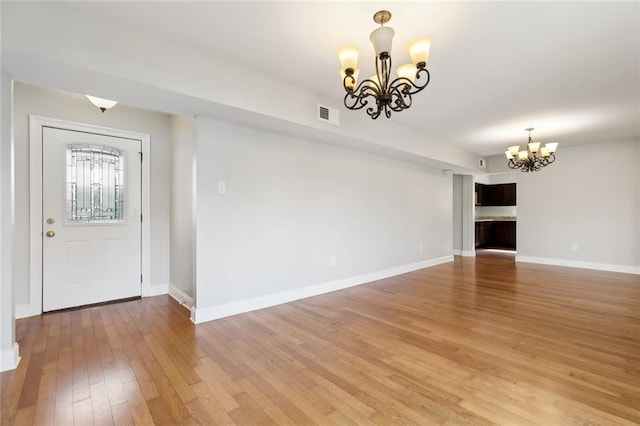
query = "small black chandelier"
{"x": 389, "y": 95}
{"x": 534, "y": 158}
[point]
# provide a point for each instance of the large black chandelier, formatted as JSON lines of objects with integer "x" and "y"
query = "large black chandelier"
{"x": 533, "y": 158}
{"x": 380, "y": 90}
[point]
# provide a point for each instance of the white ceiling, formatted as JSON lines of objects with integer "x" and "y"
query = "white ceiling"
{"x": 569, "y": 69}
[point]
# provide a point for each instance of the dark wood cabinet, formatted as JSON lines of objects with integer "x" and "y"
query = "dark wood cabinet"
{"x": 483, "y": 230}
{"x": 499, "y": 234}
{"x": 503, "y": 194}
{"x": 495, "y": 195}
{"x": 510, "y": 194}
{"x": 503, "y": 234}
{"x": 480, "y": 198}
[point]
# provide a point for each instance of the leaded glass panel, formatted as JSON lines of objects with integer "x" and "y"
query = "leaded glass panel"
{"x": 95, "y": 184}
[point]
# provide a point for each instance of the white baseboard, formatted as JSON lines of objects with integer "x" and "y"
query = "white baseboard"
{"x": 181, "y": 297}
{"x": 10, "y": 358}
{"x": 200, "y": 315}
{"x": 156, "y": 290}
{"x": 464, "y": 253}
{"x": 626, "y": 269}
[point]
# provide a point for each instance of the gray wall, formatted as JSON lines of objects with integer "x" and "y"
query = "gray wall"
{"x": 182, "y": 207}
{"x": 463, "y": 215}
{"x": 291, "y": 205}
{"x": 591, "y": 197}
{"x": 457, "y": 213}
{"x": 51, "y": 103}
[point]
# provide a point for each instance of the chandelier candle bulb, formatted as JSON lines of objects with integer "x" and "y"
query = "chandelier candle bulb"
{"x": 551, "y": 146}
{"x": 407, "y": 71}
{"x": 382, "y": 38}
{"x": 349, "y": 57}
{"x": 534, "y": 147}
{"x": 419, "y": 51}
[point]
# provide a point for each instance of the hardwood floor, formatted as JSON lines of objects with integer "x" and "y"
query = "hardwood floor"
{"x": 476, "y": 341}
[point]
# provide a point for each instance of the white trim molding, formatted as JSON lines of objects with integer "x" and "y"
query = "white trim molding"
{"x": 464, "y": 253}
{"x": 625, "y": 269}
{"x": 10, "y": 358}
{"x": 200, "y": 315}
{"x": 181, "y": 297}
{"x": 36, "y": 123}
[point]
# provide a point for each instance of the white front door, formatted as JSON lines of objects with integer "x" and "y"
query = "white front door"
{"x": 91, "y": 205}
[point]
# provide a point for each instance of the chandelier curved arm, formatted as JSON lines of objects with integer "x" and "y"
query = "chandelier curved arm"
{"x": 531, "y": 164}
{"x": 388, "y": 95}
{"x": 513, "y": 164}
{"x": 400, "y": 93}
{"x": 402, "y": 90}
{"x": 374, "y": 113}
{"x": 356, "y": 99}
{"x": 422, "y": 73}
{"x": 411, "y": 88}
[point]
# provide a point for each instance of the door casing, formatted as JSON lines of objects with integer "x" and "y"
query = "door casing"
{"x": 36, "y": 123}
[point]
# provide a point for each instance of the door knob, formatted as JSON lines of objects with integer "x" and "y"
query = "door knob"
{"x": 50, "y": 234}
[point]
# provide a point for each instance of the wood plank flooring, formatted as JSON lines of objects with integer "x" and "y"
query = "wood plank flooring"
{"x": 473, "y": 342}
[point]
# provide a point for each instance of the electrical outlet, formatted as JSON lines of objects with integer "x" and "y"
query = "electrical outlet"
{"x": 222, "y": 187}
{"x": 574, "y": 246}
{"x": 332, "y": 261}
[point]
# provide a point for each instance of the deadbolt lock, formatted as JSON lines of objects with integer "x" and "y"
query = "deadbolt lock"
{"x": 51, "y": 221}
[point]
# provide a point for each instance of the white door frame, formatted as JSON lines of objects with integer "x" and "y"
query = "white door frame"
{"x": 36, "y": 123}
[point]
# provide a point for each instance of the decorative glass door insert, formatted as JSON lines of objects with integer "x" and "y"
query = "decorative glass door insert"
{"x": 94, "y": 184}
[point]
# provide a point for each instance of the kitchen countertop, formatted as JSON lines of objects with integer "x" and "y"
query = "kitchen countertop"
{"x": 495, "y": 218}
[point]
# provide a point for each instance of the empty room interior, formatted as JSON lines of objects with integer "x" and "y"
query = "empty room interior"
{"x": 280, "y": 212}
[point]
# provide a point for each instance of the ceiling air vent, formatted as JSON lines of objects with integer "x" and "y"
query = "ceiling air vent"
{"x": 330, "y": 115}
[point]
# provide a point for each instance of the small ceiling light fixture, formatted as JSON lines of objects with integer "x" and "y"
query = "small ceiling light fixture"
{"x": 534, "y": 158}
{"x": 388, "y": 95}
{"x": 103, "y": 104}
